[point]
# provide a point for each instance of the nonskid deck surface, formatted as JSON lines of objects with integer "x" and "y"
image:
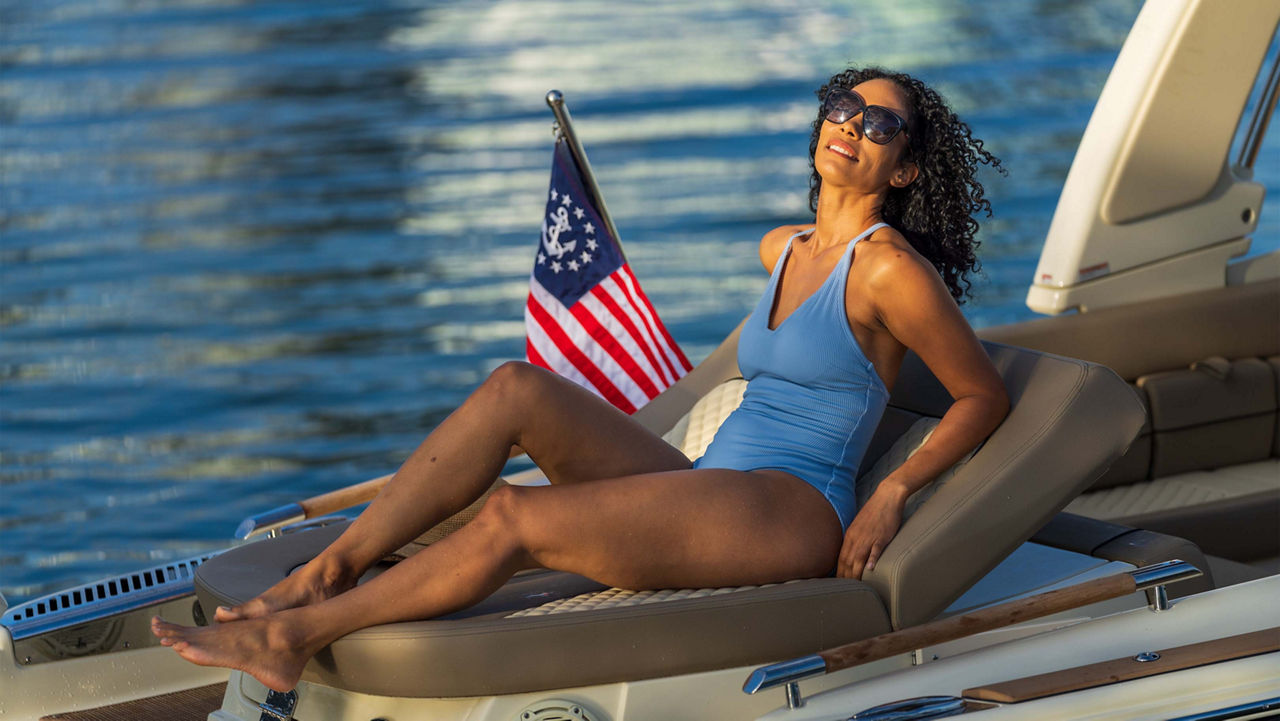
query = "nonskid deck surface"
{"x": 190, "y": 705}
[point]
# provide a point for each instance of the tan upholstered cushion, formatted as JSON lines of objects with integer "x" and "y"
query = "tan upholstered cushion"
{"x": 1184, "y": 490}
{"x": 695, "y": 429}
{"x": 1135, "y": 465}
{"x": 905, "y": 447}
{"x": 1274, "y": 362}
{"x": 1218, "y": 414}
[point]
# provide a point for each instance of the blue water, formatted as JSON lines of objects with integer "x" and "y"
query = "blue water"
{"x": 250, "y": 252}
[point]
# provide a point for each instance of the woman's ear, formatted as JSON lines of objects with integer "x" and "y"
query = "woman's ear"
{"x": 905, "y": 175}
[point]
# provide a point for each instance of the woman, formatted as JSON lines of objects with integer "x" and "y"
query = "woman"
{"x": 772, "y": 499}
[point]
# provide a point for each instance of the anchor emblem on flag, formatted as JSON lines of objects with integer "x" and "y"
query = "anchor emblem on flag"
{"x": 551, "y": 233}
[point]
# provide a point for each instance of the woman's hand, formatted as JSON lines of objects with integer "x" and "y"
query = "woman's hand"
{"x": 875, "y": 525}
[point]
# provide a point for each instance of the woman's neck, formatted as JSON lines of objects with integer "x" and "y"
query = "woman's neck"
{"x": 843, "y": 214}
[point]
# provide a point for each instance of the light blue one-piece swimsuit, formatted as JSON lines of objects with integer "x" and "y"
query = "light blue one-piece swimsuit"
{"x": 812, "y": 401}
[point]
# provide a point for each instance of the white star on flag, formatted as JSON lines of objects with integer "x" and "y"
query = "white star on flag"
{"x": 591, "y": 243}
{"x": 554, "y": 195}
{"x": 542, "y": 259}
{"x": 573, "y": 265}
{"x": 577, "y": 213}
{"x": 586, "y": 257}
{"x": 590, "y": 229}
{"x": 555, "y": 265}
{"x": 564, "y": 200}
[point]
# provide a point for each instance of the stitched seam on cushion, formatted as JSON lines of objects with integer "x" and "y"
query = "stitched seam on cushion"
{"x": 1203, "y": 424}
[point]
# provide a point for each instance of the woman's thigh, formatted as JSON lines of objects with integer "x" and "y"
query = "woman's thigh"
{"x": 691, "y": 528}
{"x": 574, "y": 435}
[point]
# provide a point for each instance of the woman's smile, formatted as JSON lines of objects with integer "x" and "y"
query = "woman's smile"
{"x": 842, "y": 149}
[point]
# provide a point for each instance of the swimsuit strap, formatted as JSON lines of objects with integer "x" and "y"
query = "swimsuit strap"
{"x": 864, "y": 234}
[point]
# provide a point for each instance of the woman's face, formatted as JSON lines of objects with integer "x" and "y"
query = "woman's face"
{"x": 846, "y": 158}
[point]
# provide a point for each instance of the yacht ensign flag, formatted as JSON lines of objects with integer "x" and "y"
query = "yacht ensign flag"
{"x": 586, "y": 317}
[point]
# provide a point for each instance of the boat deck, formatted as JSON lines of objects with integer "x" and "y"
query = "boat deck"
{"x": 190, "y": 705}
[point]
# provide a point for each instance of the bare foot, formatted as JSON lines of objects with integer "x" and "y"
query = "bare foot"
{"x": 269, "y": 649}
{"x": 315, "y": 582}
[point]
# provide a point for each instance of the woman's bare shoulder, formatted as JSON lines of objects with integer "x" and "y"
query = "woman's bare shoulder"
{"x": 887, "y": 256}
{"x": 773, "y": 243}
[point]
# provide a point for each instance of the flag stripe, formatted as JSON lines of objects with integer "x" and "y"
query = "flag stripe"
{"x": 575, "y": 345}
{"x": 672, "y": 350}
{"x": 569, "y": 362}
{"x": 643, "y": 351}
{"x": 532, "y": 355}
{"x": 662, "y": 328}
{"x": 625, "y": 285}
{"x": 545, "y": 354}
{"x": 613, "y": 346}
{"x": 612, "y": 286}
{"x": 590, "y": 348}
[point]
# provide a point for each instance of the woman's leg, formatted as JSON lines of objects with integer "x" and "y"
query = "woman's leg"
{"x": 569, "y": 432}
{"x": 694, "y": 528}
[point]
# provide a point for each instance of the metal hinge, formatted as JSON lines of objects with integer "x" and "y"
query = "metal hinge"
{"x": 278, "y": 706}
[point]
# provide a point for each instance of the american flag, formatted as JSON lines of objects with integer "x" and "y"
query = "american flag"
{"x": 587, "y": 318}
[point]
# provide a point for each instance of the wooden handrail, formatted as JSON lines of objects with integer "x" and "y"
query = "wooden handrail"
{"x": 327, "y": 503}
{"x": 983, "y": 619}
{"x": 1150, "y": 578}
{"x": 334, "y": 501}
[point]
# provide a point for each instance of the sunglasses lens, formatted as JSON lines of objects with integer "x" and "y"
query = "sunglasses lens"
{"x": 880, "y": 125}
{"x": 841, "y": 105}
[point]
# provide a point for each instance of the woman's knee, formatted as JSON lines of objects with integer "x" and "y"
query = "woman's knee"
{"x": 513, "y": 382}
{"x": 501, "y": 512}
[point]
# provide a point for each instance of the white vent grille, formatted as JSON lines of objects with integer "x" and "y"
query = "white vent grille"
{"x": 110, "y": 595}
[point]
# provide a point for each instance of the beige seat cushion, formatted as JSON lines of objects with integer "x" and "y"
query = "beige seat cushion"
{"x": 1218, "y": 413}
{"x": 695, "y": 429}
{"x": 905, "y": 447}
{"x": 1182, "y": 491}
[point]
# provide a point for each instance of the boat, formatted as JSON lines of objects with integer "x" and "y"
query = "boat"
{"x": 987, "y": 538}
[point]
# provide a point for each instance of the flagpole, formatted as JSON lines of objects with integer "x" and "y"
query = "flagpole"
{"x": 555, "y": 99}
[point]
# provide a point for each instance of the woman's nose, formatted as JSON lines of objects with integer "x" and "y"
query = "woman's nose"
{"x": 853, "y": 126}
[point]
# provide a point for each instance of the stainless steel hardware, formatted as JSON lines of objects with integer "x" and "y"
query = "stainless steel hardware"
{"x": 1231, "y": 712}
{"x": 913, "y": 709}
{"x": 786, "y": 673}
{"x": 1153, "y": 579}
{"x": 278, "y": 706}
{"x": 270, "y": 521}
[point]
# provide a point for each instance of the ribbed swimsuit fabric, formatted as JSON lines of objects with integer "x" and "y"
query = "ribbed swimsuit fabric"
{"x": 812, "y": 400}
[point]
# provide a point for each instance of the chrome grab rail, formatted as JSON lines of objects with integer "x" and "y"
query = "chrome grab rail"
{"x": 270, "y": 522}
{"x": 916, "y": 709}
{"x": 1150, "y": 579}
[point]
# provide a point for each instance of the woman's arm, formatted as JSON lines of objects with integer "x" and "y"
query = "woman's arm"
{"x": 913, "y": 304}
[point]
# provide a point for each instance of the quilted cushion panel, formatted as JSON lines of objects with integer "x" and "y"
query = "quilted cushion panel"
{"x": 694, "y": 431}
{"x": 1180, "y": 491}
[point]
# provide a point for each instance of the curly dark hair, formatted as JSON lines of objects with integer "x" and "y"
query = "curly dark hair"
{"x": 934, "y": 213}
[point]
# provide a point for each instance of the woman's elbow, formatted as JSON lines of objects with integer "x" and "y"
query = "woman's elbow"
{"x": 998, "y": 403}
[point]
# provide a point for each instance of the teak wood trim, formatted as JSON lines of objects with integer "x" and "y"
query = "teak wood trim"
{"x": 1128, "y": 668}
{"x": 354, "y": 495}
{"x": 335, "y": 501}
{"x": 985, "y": 619}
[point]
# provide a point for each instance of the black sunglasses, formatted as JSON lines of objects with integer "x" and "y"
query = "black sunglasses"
{"x": 880, "y": 125}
